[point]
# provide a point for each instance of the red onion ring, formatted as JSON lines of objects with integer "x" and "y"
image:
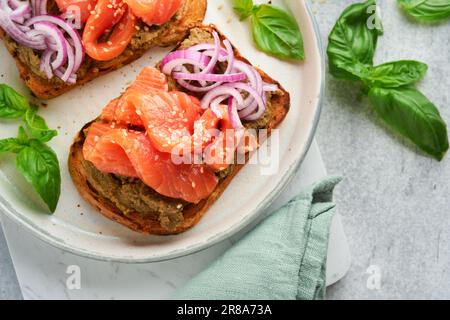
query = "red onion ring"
{"x": 249, "y": 113}
{"x": 223, "y": 90}
{"x": 42, "y": 7}
{"x": 234, "y": 77}
{"x": 233, "y": 114}
{"x": 67, "y": 74}
{"x": 20, "y": 13}
{"x": 267, "y": 87}
{"x": 181, "y": 57}
{"x": 57, "y": 43}
{"x": 215, "y": 57}
{"x": 72, "y": 33}
{"x": 230, "y": 66}
{"x": 18, "y": 34}
{"x": 45, "y": 63}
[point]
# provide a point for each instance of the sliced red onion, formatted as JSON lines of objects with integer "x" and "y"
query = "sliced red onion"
{"x": 5, "y": 6}
{"x": 39, "y": 7}
{"x": 253, "y": 75}
{"x": 20, "y": 13}
{"x": 230, "y": 66}
{"x": 212, "y": 64}
{"x": 250, "y": 113}
{"x": 234, "y": 77}
{"x": 19, "y": 35}
{"x": 255, "y": 81}
{"x": 67, "y": 74}
{"x": 45, "y": 63}
{"x": 196, "y": 70}
{"x": 214, "y": 106}
{"x": 34, "y": 7}
{"x": 181, "y": 57}
{"x": 73, "y": 34}
{"x": 270, "y": 87}
{"x": 56, "y": 42}
{"x": 233, "y": 114}
{"x": 42, "y": 7}
{"x": 14, "y": 4}
{"x": 221, "y": 91}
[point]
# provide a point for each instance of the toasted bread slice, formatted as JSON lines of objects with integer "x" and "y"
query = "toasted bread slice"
{"x": 280, "y": 103}
{"x": 190, "y": 14}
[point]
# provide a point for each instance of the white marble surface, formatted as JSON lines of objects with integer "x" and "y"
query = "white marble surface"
{"x": 43, "y": 270}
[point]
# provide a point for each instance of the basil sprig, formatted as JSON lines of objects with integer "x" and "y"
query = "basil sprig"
{"x": 275, "y": 32}
{"x": 35, "y": 160}
{"x": 426, "y": 10}
{"x": 352, "y": 43}
{"x": 405, "y": 110}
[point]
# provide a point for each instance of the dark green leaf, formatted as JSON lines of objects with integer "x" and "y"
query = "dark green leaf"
{"x": 244, "y": 8}
{"x": 39, "y": 165}
{"x": 14, "y": 145}
{"x": 12, "y": 104}
{"x": 410, "y": 113}
{"x": 426, "y": 10}
{"x": 277, "y": 33}
{"x": 353, "y": 41}
{"x": 37, "y": 127}
{"x": 396, "y": 74}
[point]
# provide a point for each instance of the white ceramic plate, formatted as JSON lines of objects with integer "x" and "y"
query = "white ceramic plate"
{"x": 77, "y": 228}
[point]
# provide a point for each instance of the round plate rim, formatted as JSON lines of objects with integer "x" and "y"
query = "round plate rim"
{"x": 253, "y": 215}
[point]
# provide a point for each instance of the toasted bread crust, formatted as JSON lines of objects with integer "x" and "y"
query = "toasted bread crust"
{"x": 193, "y": 213}
{"x": 192, "y": 14}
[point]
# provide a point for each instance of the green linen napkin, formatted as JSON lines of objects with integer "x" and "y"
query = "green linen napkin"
{"x": 284, "y": 257}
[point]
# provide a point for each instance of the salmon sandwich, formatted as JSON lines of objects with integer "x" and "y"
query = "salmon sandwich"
{"x": 59, "y": 44}
{"x": 164, "y": 151}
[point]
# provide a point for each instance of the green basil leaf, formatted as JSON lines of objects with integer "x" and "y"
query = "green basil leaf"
{"x": 12, "y": 104}
{"x": 11, "y": 145}
{"x": 277, "y": 33}
{"x": 39, "y": 165}
{"x": 353, "y": 41}
{"x": 37, "y": 127}
{"x": 244, "y": 8}
{"x": 426, "y": 10}
{"x": 396, "y": 74}
{"x": 410, "y": 113}
{"x": 22, "y": 135}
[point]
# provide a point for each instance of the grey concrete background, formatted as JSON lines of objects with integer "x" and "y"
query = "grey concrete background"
{"x": 395, "y": 201}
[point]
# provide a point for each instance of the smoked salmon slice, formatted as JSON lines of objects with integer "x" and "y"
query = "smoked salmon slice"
{"x": 154, "y": 11}
{"x": 145, "y": 130}
{"x": 121, "y": 111}
{"x": 108, "y": 15}
{"x": 130, "y": 153}
{"x": 83, "y": 7}
{"x": 174, "y": 121}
